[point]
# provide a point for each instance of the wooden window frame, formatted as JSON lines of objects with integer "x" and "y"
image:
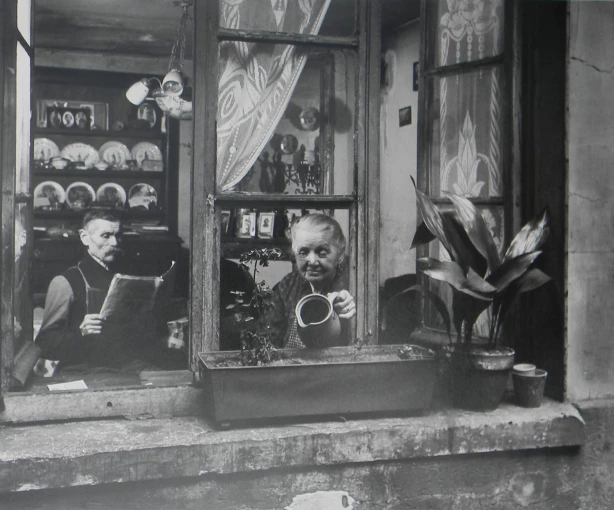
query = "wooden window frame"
{"x": 363, "y": 204}
{"x": 510, "y": 200}
{"x": 182, "y": 397}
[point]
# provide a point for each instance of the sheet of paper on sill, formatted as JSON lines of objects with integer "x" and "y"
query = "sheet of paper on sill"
{"x": 72, "y": 385}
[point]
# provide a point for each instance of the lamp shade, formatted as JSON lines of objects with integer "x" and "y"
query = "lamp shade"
{"x": 172, "y": 84}
{"x": 138, "y": 91}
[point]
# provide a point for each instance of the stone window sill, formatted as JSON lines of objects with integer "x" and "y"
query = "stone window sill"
{"x": 73, "y": 454}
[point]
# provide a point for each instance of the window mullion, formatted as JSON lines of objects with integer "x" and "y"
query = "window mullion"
{"x": 367, "y": 158}
{"x": 204, "y": 298}
{"x": 461, "y": 67}
{"x": 262, "y": 36}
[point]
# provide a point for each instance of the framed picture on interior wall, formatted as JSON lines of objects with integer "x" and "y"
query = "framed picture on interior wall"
{"x": 49, "y": 114}
{"x": 405, "y": 116}
{"x": 266, "y": 224}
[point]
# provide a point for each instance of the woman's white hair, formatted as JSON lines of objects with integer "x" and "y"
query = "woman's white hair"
{"x": 321, "y": 222}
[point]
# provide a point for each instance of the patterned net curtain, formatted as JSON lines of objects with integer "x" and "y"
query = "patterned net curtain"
{"x": 257, "y": 79}
{"x": 465, "y": 138}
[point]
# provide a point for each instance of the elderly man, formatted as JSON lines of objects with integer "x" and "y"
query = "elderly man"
{"x": 72, "y": 330}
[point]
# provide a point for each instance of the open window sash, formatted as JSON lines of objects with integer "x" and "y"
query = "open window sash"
{"x": 467, "y": 134}
{"x": 15, "y": 91}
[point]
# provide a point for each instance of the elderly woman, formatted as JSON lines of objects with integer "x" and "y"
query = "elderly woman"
{"x": 318, "y": 245}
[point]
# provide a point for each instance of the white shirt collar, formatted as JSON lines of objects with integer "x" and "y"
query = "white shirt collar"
{"x": 99, "y": 261}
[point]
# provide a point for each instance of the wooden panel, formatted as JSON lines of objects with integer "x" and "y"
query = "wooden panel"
{"x": 367, "y": 158}
{"x": 8, "y": 38}
{"x": 204, "y": 299}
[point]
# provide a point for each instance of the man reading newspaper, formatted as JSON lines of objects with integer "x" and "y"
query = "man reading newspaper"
{"x": 75, "y": 332}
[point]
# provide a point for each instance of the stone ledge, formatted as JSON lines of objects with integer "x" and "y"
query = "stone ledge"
{"x": 97, "y": 452}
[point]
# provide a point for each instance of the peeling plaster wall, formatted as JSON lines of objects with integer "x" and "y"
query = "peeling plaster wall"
{"x": 590, "y": 237}
{"x": 543, "y": 479}
{"x": 398, "y": 153}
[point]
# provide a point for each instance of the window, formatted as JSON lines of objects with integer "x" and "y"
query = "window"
{"x": 301, "y": 116}
{"x": 468, "y": 141}
{"x": 330, "y": 109}
{"x": 16, "y": 202}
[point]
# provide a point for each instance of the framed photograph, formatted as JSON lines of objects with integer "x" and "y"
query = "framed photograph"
{"x": 266, "y": 224}
{"x": 72, "y": 114}
{"x": 150, "y": 113}
{"x": 225, "y": 223}
{"x": 405, "y": 116}
{"x": 244, "y": 227}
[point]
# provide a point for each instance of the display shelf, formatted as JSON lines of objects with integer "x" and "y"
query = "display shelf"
{"x": 92, "y": 172}
{"x": 78, "y": 213}
{"x": 233, "y": 247}
{"x": 109, "y": 134}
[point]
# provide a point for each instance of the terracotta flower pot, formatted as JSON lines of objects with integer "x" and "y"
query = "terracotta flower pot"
{"x": 477, "y": 378}
{"x": 529, "y": 387}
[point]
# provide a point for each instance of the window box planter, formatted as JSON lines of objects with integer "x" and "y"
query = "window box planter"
{"x": 338, "y": 381}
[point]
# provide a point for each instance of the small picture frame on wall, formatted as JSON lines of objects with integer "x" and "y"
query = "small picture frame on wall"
{"x": 405, "y": 116}
{"x": 266, "y": 225}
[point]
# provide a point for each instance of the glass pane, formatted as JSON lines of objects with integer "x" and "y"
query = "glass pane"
{"x": 316, "y": 263}
{"x": 285, "y": 128}
{"x": 466, "y": 30}
{"x": 494, "y": 217}
{"x": 23, "y": 111}
{"x": 22, "y": 311}
{"x": 24, "y": 19}
{"x": 466, "y": 142}
{"x": 290, "y": 16}
{"x": 139, "y": 211}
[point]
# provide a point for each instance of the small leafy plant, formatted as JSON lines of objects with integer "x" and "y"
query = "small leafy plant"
{"x": 478, "y": 276}
{"x": 256, "y": 346}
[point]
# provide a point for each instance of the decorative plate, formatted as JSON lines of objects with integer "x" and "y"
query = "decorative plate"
{"x": 80, "y": 195}
{"x": 145, "y": 150}
{"x": 114, "y": 153}
{"x": 111, "y": 194}
{"x": 81, "y": 152}
{"x": 142, "y": 196}
{"x": 49, "y": 195}
{"x": 45, "y": 149}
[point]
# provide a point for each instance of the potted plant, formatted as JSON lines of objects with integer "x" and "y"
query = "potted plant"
{"x": 480, "y": 279}
{"x": 260, "y": 382}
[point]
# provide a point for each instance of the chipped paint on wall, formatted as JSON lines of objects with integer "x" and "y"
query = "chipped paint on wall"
{"x": 322, "y": 500}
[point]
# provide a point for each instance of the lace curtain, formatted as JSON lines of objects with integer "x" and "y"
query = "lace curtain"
{"x": 257, "y": 79}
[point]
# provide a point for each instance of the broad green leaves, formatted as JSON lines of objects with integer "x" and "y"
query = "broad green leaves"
{"x": 476, "y": 273}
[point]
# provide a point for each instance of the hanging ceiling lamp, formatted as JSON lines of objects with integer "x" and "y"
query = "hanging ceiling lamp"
{"x": 168, "y": 94}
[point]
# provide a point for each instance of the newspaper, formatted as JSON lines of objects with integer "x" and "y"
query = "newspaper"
{"x": 129, "y": 297}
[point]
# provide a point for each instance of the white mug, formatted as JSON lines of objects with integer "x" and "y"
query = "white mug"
{"x": 137, "y": 92}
